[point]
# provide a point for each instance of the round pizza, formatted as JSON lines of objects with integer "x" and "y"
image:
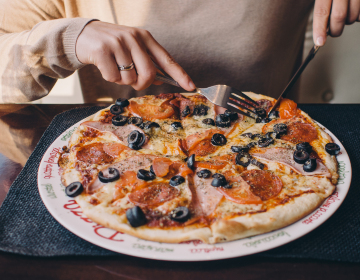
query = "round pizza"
{"x": 175, "y": 167}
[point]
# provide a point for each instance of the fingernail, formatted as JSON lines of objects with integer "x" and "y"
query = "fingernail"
{"x": 320, "y": 41}
{"x": 192, "y": 85}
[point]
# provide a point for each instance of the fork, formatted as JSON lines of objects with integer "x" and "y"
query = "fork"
{"x": 221, "y": 95}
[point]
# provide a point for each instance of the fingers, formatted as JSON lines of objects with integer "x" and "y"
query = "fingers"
{"x": 338, "y": 17}
{"x": 353, "y": 12}
{"x": 322, "y": 10}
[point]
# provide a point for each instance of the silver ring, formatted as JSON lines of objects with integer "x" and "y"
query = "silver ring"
{"x": 126, "y": 67}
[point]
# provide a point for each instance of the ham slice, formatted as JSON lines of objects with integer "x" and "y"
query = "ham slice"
{"x": 121, "y": 132}
{"x": 285, "y": 156}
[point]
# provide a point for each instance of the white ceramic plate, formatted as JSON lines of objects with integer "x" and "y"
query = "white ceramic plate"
{"x": 68, "y": 213}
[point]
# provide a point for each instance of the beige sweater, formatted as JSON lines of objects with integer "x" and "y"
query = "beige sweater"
{"x": 252, "y": 45}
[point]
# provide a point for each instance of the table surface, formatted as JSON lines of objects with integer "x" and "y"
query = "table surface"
{"x": 21, "y": 127}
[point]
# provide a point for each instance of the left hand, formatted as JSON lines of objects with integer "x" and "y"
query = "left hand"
{"x": 342, "y": 12}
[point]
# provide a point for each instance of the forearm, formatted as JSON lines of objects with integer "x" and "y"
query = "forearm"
{"x": 32, "y": 61}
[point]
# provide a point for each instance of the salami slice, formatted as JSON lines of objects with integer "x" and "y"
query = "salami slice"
{"x": 161, "y": 166}
{"x": 298, "y": 132}
{"x": 151, "y": 112}
{"x": 93, "y": 154}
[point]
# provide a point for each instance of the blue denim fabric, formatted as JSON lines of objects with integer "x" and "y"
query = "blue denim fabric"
{"x": 27, "y": 228}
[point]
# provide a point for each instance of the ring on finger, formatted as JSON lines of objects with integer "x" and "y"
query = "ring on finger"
{"x": 126, "y": 67}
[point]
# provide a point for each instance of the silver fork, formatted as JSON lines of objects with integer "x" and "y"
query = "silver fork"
{"x": 221, "y": 95}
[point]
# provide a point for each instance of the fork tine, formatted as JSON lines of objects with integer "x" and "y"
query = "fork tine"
{"x": 234, "y": 90}
{"x": 234, "y": 108}
{"x": 241, "y": 106}
{"x": 237, "y": 97}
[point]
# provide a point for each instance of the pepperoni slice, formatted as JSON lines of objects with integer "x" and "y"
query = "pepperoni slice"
{"x": 152, "y": 112}
{"x": 93, "y": 154}
{"x": 287, "y": 109}
{"x": 212, "y": 164}
{"x": 161, "y": 166}
{"x": 264, "y": 184}
{"x": 178, "y": 168}
{"x": 192, "y": 140}
{"x": 129, "y": 178}
{"x": 298, "y": 132}
{"x": 203, "y": 148}
{"x": 154, "y": 195}
{"x": 114, "y": 149}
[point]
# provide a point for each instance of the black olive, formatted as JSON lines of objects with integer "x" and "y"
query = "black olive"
{"x": 218, "y": 140}
{"x": 257, "y": 163}
{"x": 136, "y": 216}
{"x": 145, "y": 175}
{"x": 274, "y": 115}
{"x": 239, "y": 149}
{"x": 74, "y": 189}
{"x": 248, "y": 135}
{"x": 136, "y": 137}
{"x": 264, "y": 142}
{"x": 122, "y": 102}
{"x": 116, "y": 110}
{"x": 270, "y": 135}
{"x": 258, "y": 120}
{"x": 280, "y": 128}
{"x": 332, "y": 149}
{"x": 310, "y": 165}
{"x": 232, "y": 115}
{"x": 180, "y": 214}
{"x": 256, "y": 136}
{"x": 222, "y": 120}
{"x": 300, "y": 156}
{"x": 176, "y": 125}
{"x": 265, "y": 120}
{"x": 208, "y": 121}
{"x": 304, "y": 146}
{"x": 251, "y": 144}
{"x": 200, "y": 110}
{"x": 134, "y": 147}
{"x": 191, "y": 161}
{"x": 176, "y": 180}
{"x": 204, "y": 173}
{"x": 119, "y": 120}
{"x": 152, "y": 170}
{"x": 219, "y": 180}
{"x": 261, "y": 113}
{"x": 111, "y": 175}
{"x": 227, "y": 186}
{"x": 148, "y": 125}
{"x": 242, "y": 159}
{"x": 135, "y": 120}
{"x": 186, "y": 111}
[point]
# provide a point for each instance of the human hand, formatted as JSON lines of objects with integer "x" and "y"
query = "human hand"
{"x": 108, "y": 45}
{"x": 342, "y": 12}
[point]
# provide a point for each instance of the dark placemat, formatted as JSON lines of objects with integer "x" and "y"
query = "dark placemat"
{"x": 26, "y": 227}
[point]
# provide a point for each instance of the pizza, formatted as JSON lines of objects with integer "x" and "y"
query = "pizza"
{"x": 175, "y": 167}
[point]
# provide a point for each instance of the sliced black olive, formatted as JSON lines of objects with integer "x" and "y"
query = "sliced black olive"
{"x": 222, "y": 120}
{"x": 332, "y": 149}
{"x": 204, "y": 173}
{"x": 119, "y": 120}
{"x": 186, "y": 111}
{"x": 251, "y": 145}
{"x": 191, "y": 161}
{"x": 145, "y": 175}
{"x": 300, "y": 156}
{"x": 109, "y": 175}
{"x": 208, "y": 121}
{"x": 265, "y": 120}
{"x": 176, "y": 180}
{"x": 232, "y": 115}
{"x": 257, "y": 163}
{"x": 256, "y": 136}
{"x": 258, "y": 120}
{"x": 270, "y": 135}
{"x": 310, "y": 165}
{"x": 116, "y": 110}
{"x": 219, "y": 180}
{"x": 176, "y": 125}
{"x": 136, "y": 137}
{"x": 74, "y": 189}
{"x": 122, "y": 102}
{"x": 248, "y": 135}
{"x": 152, "y": 170}
{"x": 148, "y": 125}
{"x": 280, "y": 128}
{"x": 200, "y": 110}
{"x": 274, "y": 115}
{"x": 261, "y": 112}
{"x": 136, "y": 216}
{"x": 239, "y": 149}
{"x": 134, "y": 147}
{"x": 243, "y": 159}
{"x": 218, "y": 140}
{"x": 227, "y": 186}
{"x": 135, "y": 120}
{"x": 180, "y": 214}
{"x": 264, "y": 142}
{"x": 304, "y": 146}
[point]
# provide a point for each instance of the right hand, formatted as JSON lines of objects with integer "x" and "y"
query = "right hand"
{"x": 107, "y": 45}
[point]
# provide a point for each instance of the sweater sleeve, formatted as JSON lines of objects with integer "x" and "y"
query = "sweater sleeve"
{"x": 33, "y": 57}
